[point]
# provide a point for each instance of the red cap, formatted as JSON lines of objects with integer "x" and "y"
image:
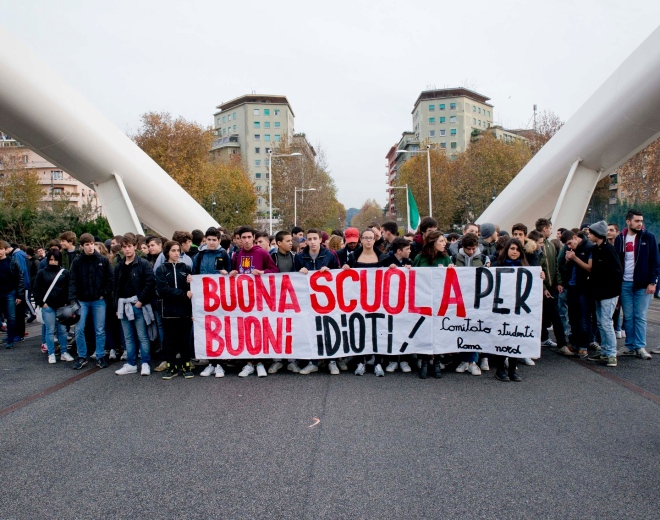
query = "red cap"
{"x": 351, "y": 235}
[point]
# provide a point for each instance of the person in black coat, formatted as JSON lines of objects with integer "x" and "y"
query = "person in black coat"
{"x": 173, "y": 289}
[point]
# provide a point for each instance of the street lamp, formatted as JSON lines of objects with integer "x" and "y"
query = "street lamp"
{"x": 270, "y": 184}
{"x": 213, "y": 204}
{"x": 295, "y": 202}
{"x": 428, "y": 163}
{"x": 407, "y": 199}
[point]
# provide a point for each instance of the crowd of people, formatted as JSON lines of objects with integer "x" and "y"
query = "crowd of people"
{"x": 133, "y": 299}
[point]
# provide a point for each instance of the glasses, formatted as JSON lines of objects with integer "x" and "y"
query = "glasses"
{"x": 368, "y": 238}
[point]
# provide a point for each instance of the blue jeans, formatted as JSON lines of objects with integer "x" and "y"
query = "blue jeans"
{"x": 604, "y": 312}
{"x": 635, "y": 305}
{"x": 50, "y": 322}
{"x": 131, "y": 328}
{"x": 97, "y": 308}
{"x": 562, "y": 304}
{"x": 8, "y": 308}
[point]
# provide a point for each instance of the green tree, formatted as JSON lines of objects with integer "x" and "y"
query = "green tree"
{"x": 370, "y": 211}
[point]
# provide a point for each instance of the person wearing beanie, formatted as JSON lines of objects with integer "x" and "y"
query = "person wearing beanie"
{"x": 605, "y": 277}
{"x": 488, "y": 238}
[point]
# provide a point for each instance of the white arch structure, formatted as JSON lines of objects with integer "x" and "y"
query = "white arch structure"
{"x": 45, "y": 114}
{"x": 621, "y": 118}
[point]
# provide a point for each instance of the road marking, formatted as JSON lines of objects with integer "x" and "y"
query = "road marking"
{"x": 47, "y": 391}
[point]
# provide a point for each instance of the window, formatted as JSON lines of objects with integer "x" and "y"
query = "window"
{"x": 258, "y": 188}
{"x": 441, "y": 106}
{"x": 431, "y": 120}
{"x": 431, "y": 108}
{"x": 479, "y": 122}
{"x": 267, "y": 175}
{"x": 453, "y": 144}
{"x": 257, "y": 137}
{"x": 479, "y": 110}
{"x": 257, "y": 176}
{"x": 489, "y": 113}
{"x": 277, "y": 124}
{"x": 233, "y": 116}
{"x": 256, "y": 111}
{"x": 56, "y": 175}
{"x": 25, "y": 159}
{"x": 474, "y": 108}
{"x": 452, "y": 106}
{"x": 432, "y": 133}
{"x": 452, "y": 119}
{"x": 277, "y": 137}
{"x": 257, "y": 124}
{"x": 453, "y": 131}
{"x": 257, "y": 150}
{"x": 474, "y": 120}
{"x": 276, "y": 112}
{"x": 267, "y": 162}
{"x": 257, "y": 162}
{"x": 266, "y": 137}
{"x": 234, "y": 128}
{"x": 443, "y": 132}
{"x": 266, "y": 111}
{"x": 266, "y": 124}
{"x": 443, "y": 119}
{"x": 58, "y": 191}
{"x": 224, "y": 119}
{"x": 443, "y": 145}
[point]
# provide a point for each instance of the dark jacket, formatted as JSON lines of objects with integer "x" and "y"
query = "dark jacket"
{"x": 487, "y": 248}
{"x": 211, "y": 261}
{"x": 142, "y": 280}
{"x": 16, "y": 274}
{"x": 352, "y": 258}
{"x": 583, "y": 252}
{"x": 59, "y": 295}
{"x": 172, "y": 289}
{"x": 276, "y": 258}
{"x": 606, "y": 273}
{"x": 66, "y": 263}
{"x": 387, "y": 259}
{"x": 33, "y": 269}
{"x": 416, "y": 246}
{"x": 326, "y": 258}
{"x": 647, "y": 260}
{"x": 561, "y": 265}
{"x": 91, "y": 278}
{"x": 344, "y": 254}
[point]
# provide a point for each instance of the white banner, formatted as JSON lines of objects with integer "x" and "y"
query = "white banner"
{"x": 365, "y": 311}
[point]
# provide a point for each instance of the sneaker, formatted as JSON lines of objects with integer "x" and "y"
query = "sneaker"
{"x": 332, "y": 367}
{"x": 392, "y": 367}
{"x": 502, "y": 375}
{"x": 261, "y": 370}
{"x": 611, "y": 361}
{"x": 171, "y": 372}
{"x": 162, "y": 367}
{"x": 44, "y": 348}
{"x": 123, "y": 356}
{"x": 528, "y": 361}
{"x": 371, "y": 360}
{"x": 210, "y": 369}
{"x": 311, "y": 367}
{"x": 359, "y": 371}
{"x": 126, "y": 369}
{"x": 80, "y": 362}
{"x": 597, "y": 357}
{"x": 187, "y": 372}
{"x": 641, "y": 353}
{"x": 275, "y": 367}
{"x": 548, "y": 343}
{"x": 293, "y": 367}
{"x": 405, "y": 367}
{"x": 581, "y": 353}
{"x": 51, "y": 359}
{"x": 566, "y": 351}
{"x": 462, "y": 367}
{"x": 594, "y": 345}
{"x": 218, "y": 371}
{"x": 378, "y": 371}
{"x": 247, "y": 370}
{"x": 93, "y": 356}
{"x": 626, "y": 352}
{"x": 474, "y": 369}
{"x": 112, "y": 355}
{"x": 484, "y": 364}
{"x": 101, "y": 363}
{"x": 66, "y": 357}
{"x": 618, "y": 334}
{"x": 343, "y": 366}
{"x": 515, "y": 377}
{"x": 146, "y": 369}
{"x": 656, "y": 350}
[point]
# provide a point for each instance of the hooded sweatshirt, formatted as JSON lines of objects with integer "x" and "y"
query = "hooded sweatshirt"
{"x": 478, "y": 259}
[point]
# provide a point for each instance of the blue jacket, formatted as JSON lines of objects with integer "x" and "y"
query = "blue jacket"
{"x": 20, "y": 257}
{"x": 647, "y": 259}
{"x": 211, "y": 262}
{"x": 326, "y": 258}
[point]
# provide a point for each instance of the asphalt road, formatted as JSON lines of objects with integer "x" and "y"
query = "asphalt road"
{"x": 567, "y": 442}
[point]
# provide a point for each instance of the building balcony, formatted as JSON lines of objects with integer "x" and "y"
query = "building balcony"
{"x": 226, "y": 141}
{"x": 614, "y": 186}
{"x": 612, "y": 200}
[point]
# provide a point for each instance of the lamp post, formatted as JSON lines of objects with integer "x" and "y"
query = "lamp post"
{"x": 270, "y": 184}
{"x": 295, "y": 202}
{"x": 407, "y": 208}
{"x": 428, "y": 165}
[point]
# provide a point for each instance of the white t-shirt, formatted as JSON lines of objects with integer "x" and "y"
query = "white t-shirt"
{"x": 629, "y": 268}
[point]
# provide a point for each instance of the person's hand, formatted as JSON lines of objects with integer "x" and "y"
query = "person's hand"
{"x": 18, "y": 301}
{"x": 44, "y": 306}
{"x": 451, "y": 266}
{"x": 189, "y": 278}
{"x": 257, "y": 271}
{"x": 304, "y": 270}
{"x": 138, "y": 305}
{"x": 547, "y": 294}
{"x": 101, "y": 298}
{"x": 233, "y": 273}
{"x": 650, "y": 289}
{"x": 393, "y": 266}
{"x": 569, "y": 255}
{"x": 560, "y": 289}
{"x": 189, "y": 294}
{"x": 345, "y": 266}
{"x": 222, "y": 271}
{"x": 324, "y": 269}
{"x": 542, "y": 275}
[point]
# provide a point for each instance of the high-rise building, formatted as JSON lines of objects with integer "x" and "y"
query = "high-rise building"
{"x": 249, "y": 126}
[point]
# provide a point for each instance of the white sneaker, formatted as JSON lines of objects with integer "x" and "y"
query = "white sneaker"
{"x": 619, "y": 334}
{"x": 462, "y": 367}
{"x": 565, "y": 350}
{"x": 474, "y": 369}
{"x": 484, "y": 364}
{"x": 210, "y": 369}
{"x": 405, "y": 367}
{"x": 247, "y": 370}
{"x": 392, "y": 366}
{"x": 378, "y": 371}
{"x": 261, "y": 370}
{"x": 51, "y": 359}
{"x": 548, "y": 343}
{"x": 126, "y": 369}
{"x": 66, "y": 357}
{"x": 656, "y": 350}
{"x": 371, "y": 360}
{"x": 359, "y": 371}
{"x": 146, "y": 370}
{"x": 643, "y": 354}
{"x": 273, "y": 369}
{"x": 594, "y": 345}
{"x": 342, "y": 365}
{"x": 93, "y": 356}
{"x": 332, "y": 366}
{"x": 112, "y": 356}
{"x": 311, "y": 367}
{"x": 293, "y": 367}
{"x": 218, "y": 371}
{"x": 123, "y": 356}
{"x": 528, "y": 361}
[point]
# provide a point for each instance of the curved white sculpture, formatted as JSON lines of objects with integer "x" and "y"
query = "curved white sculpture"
{"x": 41, "y": 111}
{"x": 621, "y": 118}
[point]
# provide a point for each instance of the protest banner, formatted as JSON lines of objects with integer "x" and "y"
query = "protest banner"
{"x": 363, "y": 311}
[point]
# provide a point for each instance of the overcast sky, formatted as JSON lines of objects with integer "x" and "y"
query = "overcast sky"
{"x": 351, "y": 70}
